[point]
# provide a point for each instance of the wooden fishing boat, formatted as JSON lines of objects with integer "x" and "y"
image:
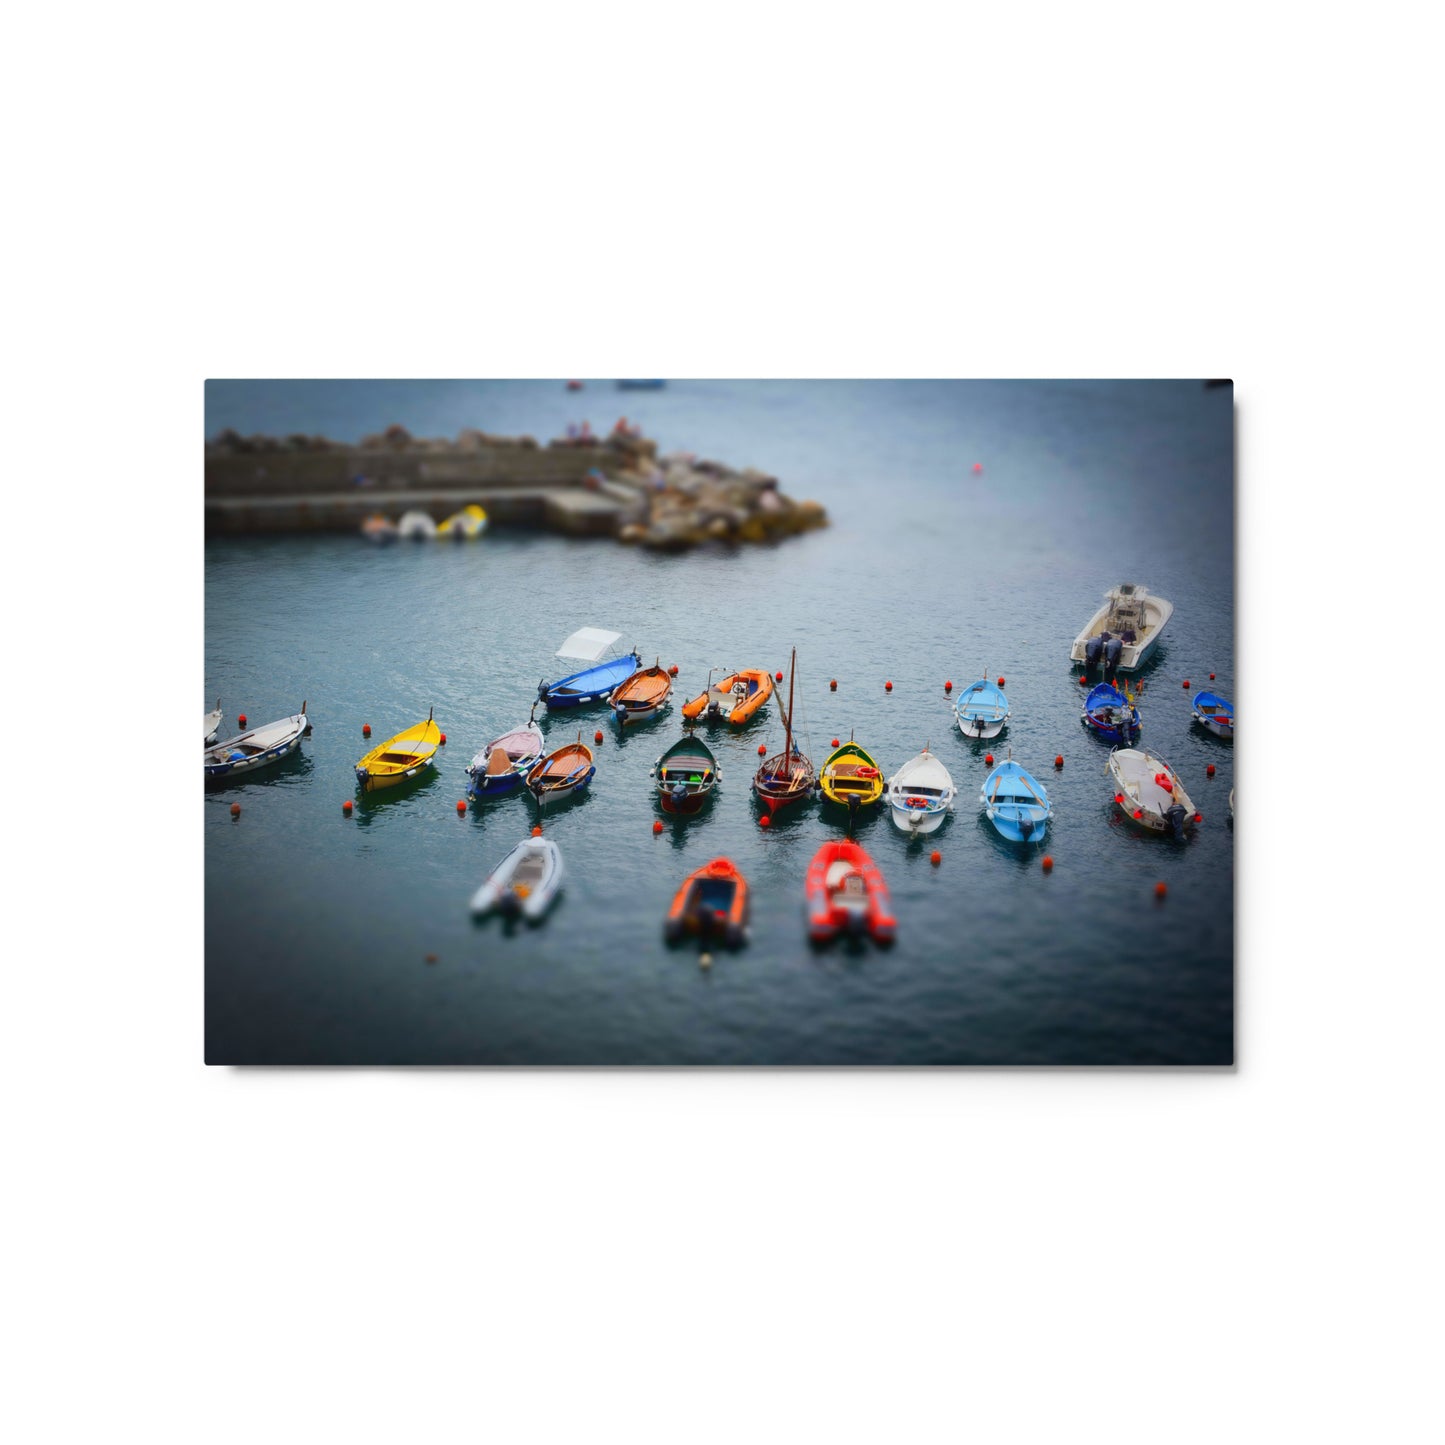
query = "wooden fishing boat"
{"x": 982, "y": 710}
{"x": 920, "y": 795}
{"x": 713, "y": 900}
{"x": 1123, "y": 633}
{"x": 417, "y": 525}
{"x": 642, "y": 695}
{"x": 401, "y": 758}
{"x": 213, "y": 724}
{"x": 850, "y": 777}
{"x": 524, "y": 883}
{"x": 847, "y": 894}
{"x": 591, "y": 684}
{"x": 735, "y": 698}
{"x": 1110, "y": 712}
{"x": 1016, "y": 803}
{"x": 686, "y": 775}
{"x": 464, "y": 526}
{"x": 258, "y": 748}
{"x": 788, "y": 776}
{"x": 502, "y": 766}
{"x": 377, "y": 528}
{"x": 1148, "y": 793}
{"x": 1215, "y": 714}
{"x": 561, "y": 773}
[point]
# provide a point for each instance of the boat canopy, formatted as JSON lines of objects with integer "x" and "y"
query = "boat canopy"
{"x": 588, "y": 644}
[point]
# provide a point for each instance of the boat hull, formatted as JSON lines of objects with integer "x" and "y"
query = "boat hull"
{"x": 530, "y": 900}
{"x": 1142, "y": 798}
{"x": 370, "y": 782}
{"x": 916, "y": 820}
{"x": 713, "y": 900}
{"x": 833, "y": 908}
{"x": 591, "y": 685}
{"x": 227, "y": 772}
{"x": 259, "y": 748}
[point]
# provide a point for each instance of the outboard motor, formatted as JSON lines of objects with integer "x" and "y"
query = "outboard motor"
{"x": 1112, "y": 648}
{"x": 509, "y": 904}
{"x": 679, "y": 792}
{"x": 1092, "y": 649}
{"x": 1175, "y": 818}
{"x": 1026, "y": 827}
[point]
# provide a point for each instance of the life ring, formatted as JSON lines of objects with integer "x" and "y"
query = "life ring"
{"x": 1163, "y": 780}
{"x": 915, "y": 802}
{"x": 866, "y": 773}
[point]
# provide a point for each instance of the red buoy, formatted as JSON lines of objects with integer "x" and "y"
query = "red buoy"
{"x": 935, "y": 857}
{"x": 948, "y": 686}
{"x": 366, "y": 730}
{"x": 1048, "y": 864}
{"x": 461, "y": 805}
{"x": 672, "y": 671}
{"x": 431, "y": 958}
{"x": 833, "y": 685}
{"x": 1159, "y": 889}
{"x": 1199, "y": 817}
{"x": 657, "y": 826}
{"x": 1119, "y": 798}
{"x": 1138, "y": 812}
{"x": 537, "y": 831}
{"x": 835, "y": 742}
{"x": 1084, "y": 681}
{"x": 977, "y": 467}
{"x": 443, "y": 741}
{"x": 1209, "y": 771}
{"x": 1059, "y": 761}
{"x": 242, "y": 720}
{"x": 1211, "y": 677}
{"x": 1186, "y": 682}
{"x": 235, "y": 810}
{"x": 597, "y": 736}
{"x": 346, "y": 807}
{"x": 778, "y": 676}
{"x": 988, "y": 758}
{"x": 765, "y": 821}
{"x": 887, "y": 687}
{"x": 762, "y": 750}
{"x": 1000, "y": 682}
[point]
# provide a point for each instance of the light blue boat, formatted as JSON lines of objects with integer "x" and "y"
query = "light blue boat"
{"x": 982, "y": 710}
{"x": 1216, "y": 714}
{"x": 1016, "y": 804}
{"x": 592, "y": 684}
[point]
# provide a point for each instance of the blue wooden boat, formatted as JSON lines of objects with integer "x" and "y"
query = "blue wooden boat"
{"x": 592, "y": 684}
{"x": 1216, "y": 714}
{"x": 1111, "y": 714}
{"x": 982, "y": 710}
{"x": 1016, "y": 804}
{"x": 502, "y": 766}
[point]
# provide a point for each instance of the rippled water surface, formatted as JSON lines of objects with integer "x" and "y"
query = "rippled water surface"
{"x": 318, "y": 926}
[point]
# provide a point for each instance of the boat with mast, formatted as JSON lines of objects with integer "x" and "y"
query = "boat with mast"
{"x": 788, "y": 776}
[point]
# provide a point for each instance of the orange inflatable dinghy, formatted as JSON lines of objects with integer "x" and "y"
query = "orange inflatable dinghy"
{"x": 735, "y": 699}
{"x": 713, "y": 900}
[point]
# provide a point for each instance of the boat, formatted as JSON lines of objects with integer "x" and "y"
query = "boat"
{"x": 1016, "y": 803}
{"x": 416, "y": 525}
{"x": 1215, "y": 714}
{"x": 524, "y": 883}
{"x": 592, "y": 684}
{"x": 502, "y": 766}
{"x": 851, "y": 777}
{"x": 642, "y": 695}
{"x": 847, "y": 894}
{"x": 464, "y": 526}
{"x": 686, "y": 775}
{"x": 712, "y": 900}
{"x": 736, "y": 698}
{"x": 257, "y": 748}
{"x": 1110, "y": 712}
{"x": 401, "y": 758}
{"x": 561, "y": 773}
{"x": 982, "y": 710}
{"x": 788, "y": 776}
{"x": 1148, "y": 792}
{"x": 377, "y": 528}
{"x": 1123, "y": 633}
{"x": 212, "y": 724}
{"x": 640, "y": 385}
{"x": 920, "y": 794}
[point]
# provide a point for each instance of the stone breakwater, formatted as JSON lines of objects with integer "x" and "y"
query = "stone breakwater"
{"x": 616, "y": 485}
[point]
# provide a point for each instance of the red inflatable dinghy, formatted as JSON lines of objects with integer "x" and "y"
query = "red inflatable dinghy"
{"x": 847, "y": 894}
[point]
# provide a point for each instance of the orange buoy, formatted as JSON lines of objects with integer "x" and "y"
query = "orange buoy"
{"x": 443, "y": 741}
{"x": 1211, "y": 677}
{"x": 935, "y": 857}
{"x": 597, "y": 736}
{"x": 977, "y": 467}
{"x": 833, "y": 685}
{"x": 1059, "y": 761}
{"x": 762, "y": 750}
{"x": 1186, "y": 682}
{"x": 1209, "y": 771}
{"x": 835, "y": 742}
{"x": 765, "y": 821}
{"x": 461, "y": 805}
{"x": 431, "y": 958}
{"x": 235, "y": 810}
{"x": 887, "y": 687}
{"x": 537, "y": 831}
{"x": 657, "y": 826}
{"x": 948, "y": 686}
{"x": 1048, "y": 864}
{"x": 1000, "y": 682}
{"x": 1159, "y": 889}
{"x": 366, "y": 730}
{"x": 988, "y": 758}
{"x": 242, "y": 720}
{"x": 346, "y": 807}
{"x": 778, "y": 676}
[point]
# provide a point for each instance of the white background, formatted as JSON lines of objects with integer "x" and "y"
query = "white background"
{"x": 750, "y": 190}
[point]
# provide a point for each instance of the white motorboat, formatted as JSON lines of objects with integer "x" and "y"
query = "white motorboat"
{"x": 258, "y": 748}
{"x": 524, "y": 883}
{"x": 920, "y": 794}
{"x": 213, "y": 724}
{"x": 1148, "y": 792}
{"x": 1123, "y": 633}
{"x": 416, "y": 525}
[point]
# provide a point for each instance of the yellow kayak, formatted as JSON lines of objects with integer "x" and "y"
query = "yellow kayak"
{"x": 399, "y": 758}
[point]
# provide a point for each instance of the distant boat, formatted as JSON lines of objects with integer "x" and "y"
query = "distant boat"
{"x": 1016, "y": 804}
{"x": 641, "y": 385}
{"x": 982, "y": 710}
{"x": 686, "y": 775}
{"x": 464, "y": 526}
{"x": 592, "y": 684}
{"x": 212, "y": 723}
{"x": 574, "y": 386}
{"x": 561, "y": 773}
{"x": 1111, "y": 714}
{"x": 920, "y": 794}
{"x": 416, "y": 525}
{"x": 847, "y": 894}
{"x": 525, "y": 882}
{"x": 788, "y": 776}
{"x": 643, "y": 695}
{"x": 734, "y": 699}
{"x": 1148, "y": 792}
{"x": 712, "y": 900}
{"x": 399, "y": 758}
{"x": 379, "y": 529}
{"x": 258, "y": 748}
{"x": 502, "y": 766}
{"x": 851, "y": 777}
{"x": 1123, "y": 633}
{"x": 1215, "y": 714}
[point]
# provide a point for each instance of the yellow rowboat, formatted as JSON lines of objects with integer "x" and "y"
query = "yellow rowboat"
{"x": 465, "y": 525}
{"x": 851, "y": 777}
{"x": 400, "y": 758}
